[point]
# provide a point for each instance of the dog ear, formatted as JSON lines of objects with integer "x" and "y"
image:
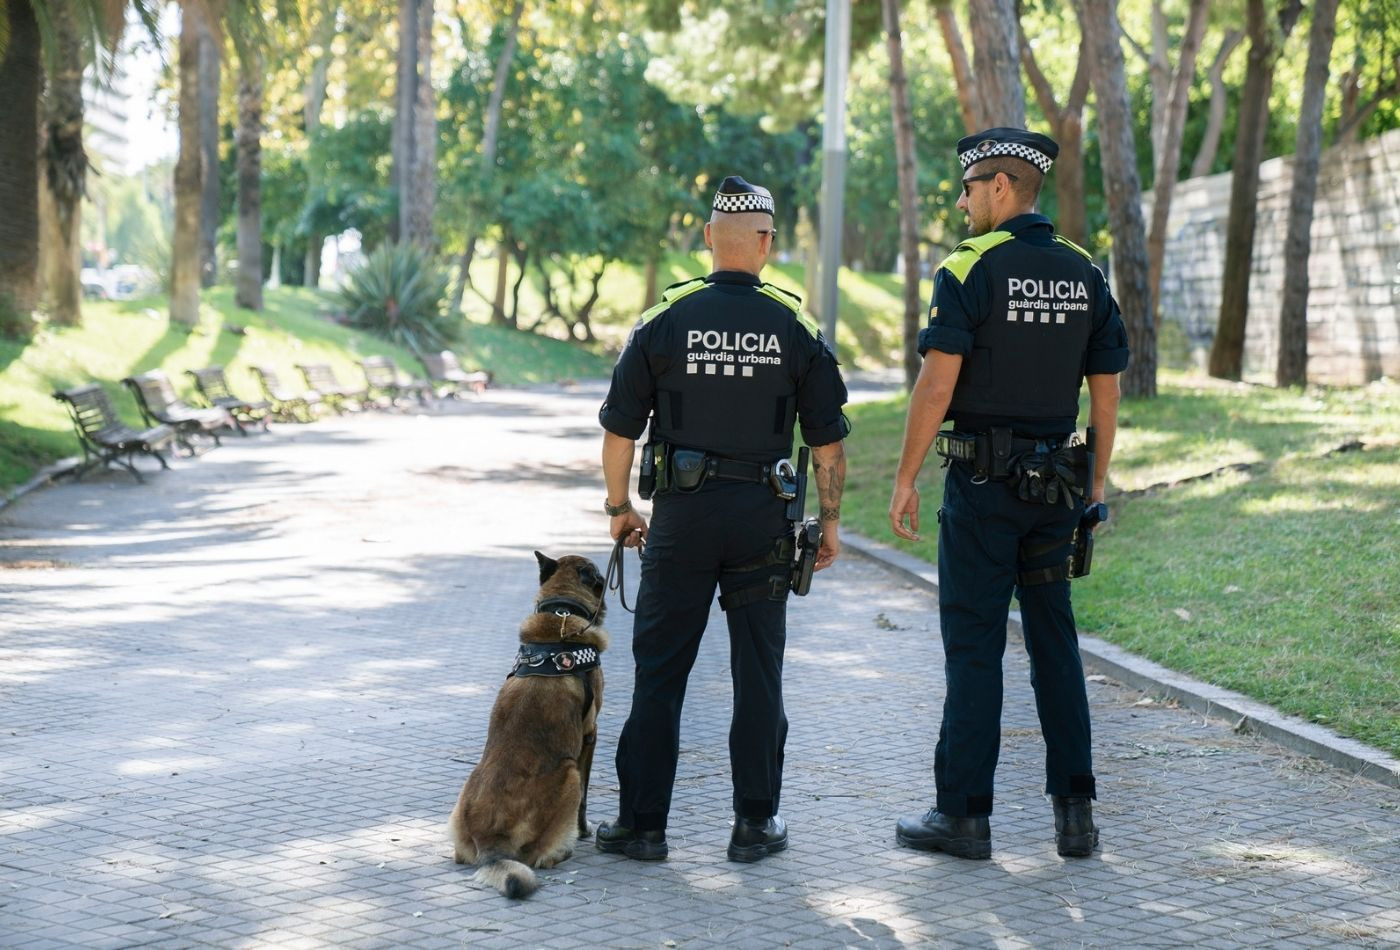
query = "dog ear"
{"x": 547, "y": 566}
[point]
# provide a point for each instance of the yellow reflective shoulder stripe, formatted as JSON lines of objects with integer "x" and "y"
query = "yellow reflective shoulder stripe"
{"x": 1070, "y": 244}
{"x": 970, "y": 251}
{"x": 670, "y": 295}
{"x": 793, "y": 303}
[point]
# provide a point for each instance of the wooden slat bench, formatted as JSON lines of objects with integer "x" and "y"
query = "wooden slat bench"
{"x": 104, "y": 437}
{"x": 321, "y": 378}
{"x": 383, "y": 380}
{"x": 213, "y": 388}
{"x": 448, "y": 377}
{"x": 159, "y": 405}
{"x": 287, "y": 406}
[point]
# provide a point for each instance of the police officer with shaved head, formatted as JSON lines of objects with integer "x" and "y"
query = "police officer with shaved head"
{"x": 722, "y": 369}
{"x": 1020, "y": 318}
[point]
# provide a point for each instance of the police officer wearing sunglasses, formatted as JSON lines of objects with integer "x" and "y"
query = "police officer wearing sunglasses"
{"x": 723, "y": 368}
{"x": 1020, "y": 319}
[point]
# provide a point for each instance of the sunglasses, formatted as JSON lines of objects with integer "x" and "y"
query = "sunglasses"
{"x": 966, "y": 182}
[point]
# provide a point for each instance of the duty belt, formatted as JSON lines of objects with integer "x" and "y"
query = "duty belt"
{"x": 719, "y": 467}
{"x": 990, "y": 453}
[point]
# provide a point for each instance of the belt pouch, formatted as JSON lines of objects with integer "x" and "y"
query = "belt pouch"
{"x": 1001, "y": 452}
{"x": 687, "y": 469}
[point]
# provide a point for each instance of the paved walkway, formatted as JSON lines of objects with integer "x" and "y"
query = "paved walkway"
{"x": 237, "y": 703}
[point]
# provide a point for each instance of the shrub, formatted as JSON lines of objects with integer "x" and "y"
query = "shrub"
{"x": 398, "y": 293}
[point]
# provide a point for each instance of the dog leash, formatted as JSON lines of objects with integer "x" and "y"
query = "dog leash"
{"x": 615, "y": 583}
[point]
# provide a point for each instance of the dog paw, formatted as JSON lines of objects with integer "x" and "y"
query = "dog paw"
{"x": 585, "y": 829}
{"x": 555, "y": 857}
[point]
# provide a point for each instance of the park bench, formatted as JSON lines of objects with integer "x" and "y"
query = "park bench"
{"x": 448, "y": 377}
{"x": 213, "y": 388}
{"x": 287, "y": 406}
{"x": 159, "y": 405}
{"x": 104, "y": 437}
{"x": 321, "y": 378}
{"x": 382, "y": 379}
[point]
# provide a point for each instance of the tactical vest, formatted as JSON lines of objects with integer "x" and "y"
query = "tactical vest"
{"x": 729, "y": 378}
{"x": 1027, "y": 358}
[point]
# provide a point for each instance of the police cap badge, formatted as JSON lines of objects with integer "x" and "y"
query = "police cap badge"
{"x": 1039, "y": 150}
{"x": 738, "y": 196}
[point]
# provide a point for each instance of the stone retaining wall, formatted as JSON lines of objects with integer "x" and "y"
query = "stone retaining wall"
{"x": 1354, "y": 269}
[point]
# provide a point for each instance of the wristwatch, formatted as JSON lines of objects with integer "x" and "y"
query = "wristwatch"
{"x": 615, "y": 510}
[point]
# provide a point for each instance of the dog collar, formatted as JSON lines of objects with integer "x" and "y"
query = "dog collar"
{"x": 547, "y": 659}
{"x": 563, "y": 607}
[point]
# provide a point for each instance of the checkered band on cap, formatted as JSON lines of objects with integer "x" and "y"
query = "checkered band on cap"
{"x": 738, "y": 196}
{"x": 989, "y": 149}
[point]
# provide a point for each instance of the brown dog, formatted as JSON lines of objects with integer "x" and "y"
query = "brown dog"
{"x": 526, "y": 800}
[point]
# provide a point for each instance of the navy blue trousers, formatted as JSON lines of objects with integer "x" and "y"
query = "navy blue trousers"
{"x": 982, "y": 531}
{"x": 693, "y": 545}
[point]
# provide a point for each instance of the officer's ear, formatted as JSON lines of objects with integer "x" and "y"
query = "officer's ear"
{"x": 708, "y": 243}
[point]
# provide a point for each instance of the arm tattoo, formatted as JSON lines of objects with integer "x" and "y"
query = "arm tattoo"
{"x": 831, "y": 482}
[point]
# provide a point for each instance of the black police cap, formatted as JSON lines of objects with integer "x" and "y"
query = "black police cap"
{"x": 738, "y": 196}
{"x": 1039, "y": 150}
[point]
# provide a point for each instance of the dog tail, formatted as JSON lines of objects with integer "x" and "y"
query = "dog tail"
{"x": 510, "y": 877}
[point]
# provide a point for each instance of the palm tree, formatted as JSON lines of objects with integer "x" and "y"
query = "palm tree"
{"x": 19, "y": 151}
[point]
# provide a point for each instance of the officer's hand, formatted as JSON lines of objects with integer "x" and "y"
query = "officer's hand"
{"x": 904, "y": 503}
{"x": 830, "y": 547}
{"x": 631, "y": 527}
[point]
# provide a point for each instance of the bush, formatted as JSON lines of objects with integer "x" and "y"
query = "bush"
{"x": 398, "y": 293}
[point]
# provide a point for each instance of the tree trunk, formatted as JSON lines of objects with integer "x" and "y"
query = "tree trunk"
{"x": 996, "y": 62}
{"x": 490, "y": 136}
{"x": 210, "y": 70}
{"x": 405, "y": 95}
{"x": 907, "y": 171}
{"x": 498, "y": 306}
{"x": 962, "y": 69}
{"x": 1067, "y": 124}
{"x": 1215, "y": 121}
{"x": 423, "y": 164}
{"x": 649, "y": 296}
{"x": 1160, "y": 76}
{"x": 1167, "y": 152}
{"x": 64, "y": 168}
{"x": 184, "y": 244}
{"x": 1098, "y": 21}
{"x": 315, "y": 90}
{"x": 1227, "y": 351}
{"x": 248, "y": 292}
{"x": 1354, "y": 111}
{"x": 1297, "y": 246}
{"x": 21, "y": 80}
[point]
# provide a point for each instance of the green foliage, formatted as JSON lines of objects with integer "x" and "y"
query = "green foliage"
{"x": 398, "y": 294}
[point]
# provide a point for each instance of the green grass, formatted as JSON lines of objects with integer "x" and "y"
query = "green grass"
{"x": 869, "y": 306}
{"x": 1277, "y": 581}
{"x": 121, "y": 339}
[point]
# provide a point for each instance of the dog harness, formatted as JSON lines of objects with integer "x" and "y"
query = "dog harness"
{"x": 559, "y": 659}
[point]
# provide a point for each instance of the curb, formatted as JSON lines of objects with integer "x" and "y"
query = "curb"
{"x": 41, "y": 478}
{"x": 1248, "y": 715}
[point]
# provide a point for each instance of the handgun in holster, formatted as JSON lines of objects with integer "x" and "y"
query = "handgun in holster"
{"x": 808, "y": 532}
{"x": 1082, "y": 555}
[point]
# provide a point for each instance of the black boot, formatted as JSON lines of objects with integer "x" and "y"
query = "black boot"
{"x": 935, "y": 831}
{"x": 756, "y": 838}
{"x": 1075, "y": 834}
{"x": 613, "y": 838}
